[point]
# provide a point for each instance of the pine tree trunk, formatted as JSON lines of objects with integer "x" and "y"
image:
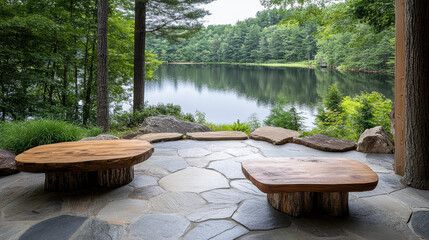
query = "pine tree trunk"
{"x": 139, "y": 54}
{"x": 102, "y": 80}
{"x": 416, "y": 94}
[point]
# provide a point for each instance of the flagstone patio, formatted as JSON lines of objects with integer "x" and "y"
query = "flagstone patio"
{"x": 195, "y": 190}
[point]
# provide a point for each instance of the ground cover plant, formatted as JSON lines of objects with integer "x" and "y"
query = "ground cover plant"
{"x": 19, "y": 136}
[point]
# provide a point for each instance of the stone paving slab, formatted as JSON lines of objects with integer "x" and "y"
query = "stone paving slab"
{"x": 193, "y": 180}
{"x": 259, "y": 215}
{"x": 158, "y": 226}
{"x": 169, "y": 163}
{"x": 217, "y": 229}
{"x": 176, "y": 202}
{"x": 414, "y": 198}
{"x": 159, "y": 137}
{"x": 204, "y": 161}
{"x": 420, "y": 223}
{"x": 98, "y": 230}
{"x": 212, "y": 211}
{"x": 61, "y": 227}
{"x": 124, "y": 211}
{"x": 217, "y": 136}
{"x": 325, "y": 143}
{"x": 229, "y": 168}
{"x": 274, "y": 135}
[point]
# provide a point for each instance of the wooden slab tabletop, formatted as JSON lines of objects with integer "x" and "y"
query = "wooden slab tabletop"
{"x": 84, "y": 156}
{"x": 276, "y": 175}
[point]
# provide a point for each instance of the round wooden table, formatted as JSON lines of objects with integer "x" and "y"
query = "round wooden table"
{"x": 300, "y": 186}
{"x": 70, "y": 166}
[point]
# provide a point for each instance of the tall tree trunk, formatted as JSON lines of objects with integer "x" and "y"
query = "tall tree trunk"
{"x": 85, "y": 82}
{"x": 102, "y": 80}
{"x": 139, "y": 54}
{"x": 88, "y": 87}
{"x": 416, "y": 94}
{"x": 64, "y": 89}
{"x": 76, "y": 91}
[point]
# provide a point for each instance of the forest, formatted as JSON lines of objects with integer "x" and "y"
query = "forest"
{"x": 334, "y": 36}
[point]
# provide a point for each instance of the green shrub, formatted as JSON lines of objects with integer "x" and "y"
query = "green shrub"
{"x": 289, "y": 119}
{"x": 253, "y": 122}
{"x": 219, "y": 127}
{"x": 23, "y": 135}
{"x": 353, "y": 116}
{"x": 242, "y": 127}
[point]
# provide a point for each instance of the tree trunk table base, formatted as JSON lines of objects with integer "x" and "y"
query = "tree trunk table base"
{"x": 298, "y": 204}
{"x": 71, "y": 181}
{"x": 301, "y": 186}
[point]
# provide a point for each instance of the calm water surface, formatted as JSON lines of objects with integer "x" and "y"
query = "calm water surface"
{"x": 227, "y": 93}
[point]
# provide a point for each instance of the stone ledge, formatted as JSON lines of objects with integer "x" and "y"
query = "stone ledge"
{"x": 159, "y": 137}
{"x": 274, "y": 135}
{"x": 325, "y": 143}
{"x": 217, "y": 136}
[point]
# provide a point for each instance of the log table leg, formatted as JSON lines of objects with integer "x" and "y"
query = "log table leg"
{"x": 115, "y": 177}
{"x": 303, "y": 203}
{"x": 295, "y": 204}
{"x": 67, "y": 181}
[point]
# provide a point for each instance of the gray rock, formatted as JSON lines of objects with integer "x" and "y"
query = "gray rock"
{"x": 390, "y": 206}
{"x": 212, "y": 211}
{"x": 229, "y": 168}
{"x": 203, "y": 161}
{"x": 375, "y": 140}
{"x": 216, "y": 229}
{"x": 170, "y": 163}
{"x": 164, "y": 123}
{"x": 420, "y": 223}
{"x": 98, "y": 230}
{"x": 100, "y": 137}
{"x": 147, "y": 193}
{"x": 325, "y": 143}
{"x": 61, "y": 227}
{"x": 158, "y": 227}
{"x": 7, "y": 162}
{"x": 259, "y": 215}
{"x": 241, "y": 152}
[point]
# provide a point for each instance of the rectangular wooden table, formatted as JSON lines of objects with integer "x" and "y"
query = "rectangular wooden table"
{"x": 300, "y": 186}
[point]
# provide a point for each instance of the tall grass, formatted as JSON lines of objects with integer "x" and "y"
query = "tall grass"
{"x": 23, "y": 135}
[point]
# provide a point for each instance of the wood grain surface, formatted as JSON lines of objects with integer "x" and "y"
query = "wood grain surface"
{"x": 84, "y": 156}
{"x": 278, "y": 175}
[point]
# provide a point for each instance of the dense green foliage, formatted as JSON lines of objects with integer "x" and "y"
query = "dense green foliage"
{"x": 19, "y": 136}
{"x": 253, "y": 40}
{"x": 348, "y": 117}
{"x": 48, "y": 58}
{"x": 289, "y": 119}
{"x": 338, "y": 35}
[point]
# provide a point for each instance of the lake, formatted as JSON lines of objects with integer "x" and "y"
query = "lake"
{"x": 226, "y": 93}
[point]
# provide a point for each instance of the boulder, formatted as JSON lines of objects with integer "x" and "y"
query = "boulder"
{"x": 375, "y": 140}
{"x": 100, "y": 137}
{"x": 7, "y": 162}
{"x": 325, "y": 143}
{"x": 164, "y": 123}
{"x": 274, "y": 135}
